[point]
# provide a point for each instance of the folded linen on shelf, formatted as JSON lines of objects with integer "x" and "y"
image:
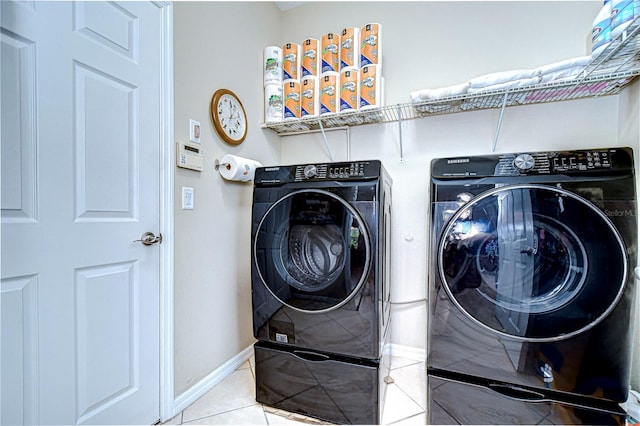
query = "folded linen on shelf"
{"x": 560, "y": 75}
{"x": 571, "y": 63}
{"x": 492, "y": 101}
{"x": 438, "y": 108}
{"x": 505, "y": 85}
{"x": 506, "y": 80}
{"x": 500, "y": 77}
{"x": 443, "y": 92}
{"x": 562, "y": 70}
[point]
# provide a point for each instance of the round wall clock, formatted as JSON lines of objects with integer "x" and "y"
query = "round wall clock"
{"x": 229, "y": 117}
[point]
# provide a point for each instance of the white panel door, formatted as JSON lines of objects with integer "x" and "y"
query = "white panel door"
{"x": 80, "y": 182}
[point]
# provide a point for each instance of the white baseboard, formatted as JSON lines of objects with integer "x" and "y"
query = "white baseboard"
{"x": 194, "y": 393}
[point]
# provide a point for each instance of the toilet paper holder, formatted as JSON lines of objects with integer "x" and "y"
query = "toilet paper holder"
{"x": 217, "y": 165}
{"x": 237, "y": 169}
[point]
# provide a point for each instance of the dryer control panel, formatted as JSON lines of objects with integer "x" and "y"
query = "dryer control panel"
{"x": 332, "y": 171}
{"x": 570, "y": 163}
{"x": 344, "y": 171}
{"x": 553, "y": 162}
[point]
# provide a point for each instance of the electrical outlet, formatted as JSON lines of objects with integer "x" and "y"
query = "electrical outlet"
{"x": 194, "y": 131}
{"x": 187, "y": 198}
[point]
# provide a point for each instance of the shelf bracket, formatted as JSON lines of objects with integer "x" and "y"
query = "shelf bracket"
{"x": 504, "y": 104}
{"x": 400, "y": 133}
{"x": 326, "y": 142}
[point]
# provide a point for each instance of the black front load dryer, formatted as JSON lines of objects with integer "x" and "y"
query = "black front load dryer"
{"x": 320, "y": 250}
{"x": 531, "y": 287}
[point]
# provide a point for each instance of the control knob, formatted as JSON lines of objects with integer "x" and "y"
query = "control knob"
{"x": 310, "y": 171}
{"x": 524, "y": 162}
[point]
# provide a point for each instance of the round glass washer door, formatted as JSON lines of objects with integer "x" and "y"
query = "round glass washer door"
{"x": 532, "y": 262}
{"x": 312, "y": 251}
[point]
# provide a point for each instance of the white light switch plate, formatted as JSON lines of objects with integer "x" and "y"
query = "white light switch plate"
{"x": 194, "y": 131}
{"x": 187, "y": 198}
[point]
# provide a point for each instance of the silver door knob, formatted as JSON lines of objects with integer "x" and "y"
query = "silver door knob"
{"x": 149, "y": 238}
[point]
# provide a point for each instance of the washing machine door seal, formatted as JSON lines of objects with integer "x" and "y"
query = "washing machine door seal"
{"x": 532, "y": 262}
{"x": 312, "y": 251}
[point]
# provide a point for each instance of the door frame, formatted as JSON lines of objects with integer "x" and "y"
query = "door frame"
{"x": 167, "y": 162}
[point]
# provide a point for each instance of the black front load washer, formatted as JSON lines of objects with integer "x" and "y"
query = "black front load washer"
{"x": 320, "y": 286}
{"x": 320, "y": 272}
{"x": 531, "y": 286}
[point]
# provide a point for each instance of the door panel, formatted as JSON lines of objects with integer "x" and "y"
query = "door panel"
{"x": 105, "y": 150}
{"x": 80, "y": 183}
{"x": 19, "y": 364}
{"x": 316, "y": 251}
{"x": 521, "y": 261}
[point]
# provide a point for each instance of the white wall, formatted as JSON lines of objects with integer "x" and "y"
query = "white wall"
{"x": 427, "y": 44}
{"x": 430, "y": 44}
{"x": 216, "y": 45}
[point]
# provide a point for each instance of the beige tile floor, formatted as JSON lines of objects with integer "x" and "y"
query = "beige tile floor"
{"x": 233, "y": 402}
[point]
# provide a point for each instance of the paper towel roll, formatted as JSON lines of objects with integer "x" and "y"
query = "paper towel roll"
{"x": 291, "y": 96}
{"x": 349, "y": 89}
{"x": 371, "y": 87}
{"x": 273, "y": 102}
{"x": 311, "y": 57}
{"x": 371, "y": 45}
{"x": 272, "y": 65}
{"x": 329, "y": 93}
{"x": 309, "y": 96}
{"x": 350, "y": 47}
{"x": 291, "y": 61}
{"x": 330, "y": 45}
{"x": 237, "y": 168}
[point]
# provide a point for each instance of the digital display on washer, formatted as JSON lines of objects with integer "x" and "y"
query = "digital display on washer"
{"x": 533, "y": 164}
{"x": 333, "y": 171}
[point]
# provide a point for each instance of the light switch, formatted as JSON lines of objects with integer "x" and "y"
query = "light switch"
{"x": 187, "y": 198}
{"x": 194, "y": 131}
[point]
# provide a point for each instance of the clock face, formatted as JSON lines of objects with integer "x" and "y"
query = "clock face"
{"x": 229, "y": 117}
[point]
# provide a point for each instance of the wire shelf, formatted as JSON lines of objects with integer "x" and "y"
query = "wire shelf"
{"x": 616, "y": 67}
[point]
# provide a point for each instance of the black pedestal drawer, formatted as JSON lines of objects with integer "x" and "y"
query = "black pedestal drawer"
{"x": 337, "y": 389}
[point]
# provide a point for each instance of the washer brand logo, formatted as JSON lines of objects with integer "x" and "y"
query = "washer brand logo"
{"x": 458, "y": 161}
{"x": 619, "y": 213}
{"x": 272, "y": 169}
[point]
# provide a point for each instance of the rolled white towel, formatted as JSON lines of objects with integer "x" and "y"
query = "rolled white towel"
{"x": 571, "y": 63}
{"x": 559, "y": 75}
{"x": 505, "y": 85}
{"x": 500, "y": 77}
{"x": 443, "y": 92}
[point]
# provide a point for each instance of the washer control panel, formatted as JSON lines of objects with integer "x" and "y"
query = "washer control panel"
{"x": 570, "y": 163}
{"x": 332, "y": 171}
{"x": 319, "y": 172}
{"x": 553, "y": 162}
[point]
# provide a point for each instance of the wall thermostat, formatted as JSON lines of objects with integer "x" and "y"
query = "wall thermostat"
{"x": 189, "y": 156}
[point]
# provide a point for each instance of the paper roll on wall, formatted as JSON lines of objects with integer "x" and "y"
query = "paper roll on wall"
{"x": 238, "y": 169}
